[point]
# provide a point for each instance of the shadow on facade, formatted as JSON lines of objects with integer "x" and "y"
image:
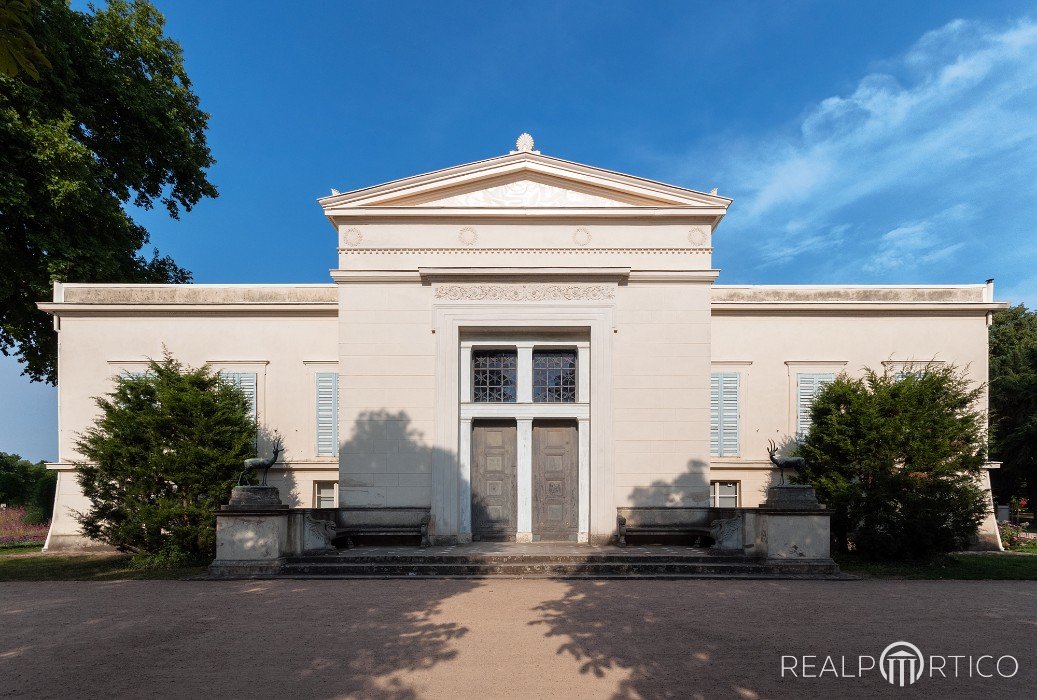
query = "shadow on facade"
{"x": 280, "y": 476}
{"x": 387, "y": 462}
{"x": 690, "y": 489}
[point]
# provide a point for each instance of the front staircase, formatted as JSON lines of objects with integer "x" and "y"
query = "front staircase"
{"x": 549, "y": 560}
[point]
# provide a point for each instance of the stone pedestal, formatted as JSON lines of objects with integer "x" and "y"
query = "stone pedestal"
{"x": 253, "y": 497}
{"x": 792, "y": 497}
{"x": 793, "y": 525}
{"x": 251, "y": 533}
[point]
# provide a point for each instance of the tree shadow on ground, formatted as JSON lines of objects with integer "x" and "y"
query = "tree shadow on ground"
{"x": 261, "y": 639}
{"x": 611, "y": 629}
{"x": 334, "y": 638}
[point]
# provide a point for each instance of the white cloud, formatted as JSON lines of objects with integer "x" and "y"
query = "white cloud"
{"x": 955, "y": 113}
{"x": 920, "y": 242}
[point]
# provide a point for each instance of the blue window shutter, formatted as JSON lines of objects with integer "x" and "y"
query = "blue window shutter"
{"x": 807, "y": 388}
{"x": 327, "y": 414}
{"x": 723, "y": 414}
{"x": 246, "y": 381}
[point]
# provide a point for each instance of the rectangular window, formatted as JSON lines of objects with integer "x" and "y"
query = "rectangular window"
{"x": 327, "y": 414}
{"x": 493, "y": 376}
{"x": 723, "y": 414}
{"x": 723, "y": 494}
{"x": 902, "y": 374}
{"x": 246, "y": 381}
{"x": 808, "y": 386}
{"x": 554, "y": 376}
{"x": 325, "y": 494}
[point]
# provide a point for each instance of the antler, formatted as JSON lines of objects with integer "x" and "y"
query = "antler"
{"x": 772, "y": 449}
{"x": 277, "y": 446}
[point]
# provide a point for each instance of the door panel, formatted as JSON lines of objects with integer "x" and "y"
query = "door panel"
{"x": 493, "y": 480}
{"x": 555, "y": 481}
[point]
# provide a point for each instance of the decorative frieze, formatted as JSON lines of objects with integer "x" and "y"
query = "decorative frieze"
{"x": 525, "y": 292}
{"x": 483, "y": 251}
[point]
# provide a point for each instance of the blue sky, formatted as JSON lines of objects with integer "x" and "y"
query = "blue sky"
{"x": 877, "y": 142}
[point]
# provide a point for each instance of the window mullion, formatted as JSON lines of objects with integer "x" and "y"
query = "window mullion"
{"x": 524, "y": 374}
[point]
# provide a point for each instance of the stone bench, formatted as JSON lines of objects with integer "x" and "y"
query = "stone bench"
{"x": 382, "y": 522}
{"x": 665, "y": 521}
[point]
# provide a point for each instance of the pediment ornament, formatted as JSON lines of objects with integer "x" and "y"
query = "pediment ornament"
{"x": 524, "y": 193}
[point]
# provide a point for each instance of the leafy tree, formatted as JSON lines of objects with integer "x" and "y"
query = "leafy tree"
{"x": 29, "y": 484}
{"x": 1013, "y": 402}
{"x": 163, "y": 455}
{"x": 18, "y": 50}
{"x": 111, "y": 120}
{"x": 897, "y": 461}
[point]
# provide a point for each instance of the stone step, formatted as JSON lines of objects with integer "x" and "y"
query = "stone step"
{"x": 598, "y": 569}
{"x": 483, "y": 558}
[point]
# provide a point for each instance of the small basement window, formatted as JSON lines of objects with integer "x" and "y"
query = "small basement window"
{"x": 723, "y": 494}
{"x": 325, "y": 494}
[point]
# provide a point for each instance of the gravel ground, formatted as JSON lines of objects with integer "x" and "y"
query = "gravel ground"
{"x": 501, "y": 638}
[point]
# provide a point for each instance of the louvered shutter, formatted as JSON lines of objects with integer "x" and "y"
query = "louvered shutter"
{"x": 729, "y": 414}
{"x": 714, "y": 415}
{"x": 723, "y": 414}
{"x": 327, "y": 414}
{"x": 807, "y": 388}
{"x": 246, "y": 381}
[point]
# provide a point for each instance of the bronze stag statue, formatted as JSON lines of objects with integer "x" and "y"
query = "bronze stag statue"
{"x": 257, "y": 463}
{"x": 782, "y": 462}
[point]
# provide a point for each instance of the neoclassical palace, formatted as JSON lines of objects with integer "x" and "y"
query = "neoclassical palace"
{"x": 520, "y": 344}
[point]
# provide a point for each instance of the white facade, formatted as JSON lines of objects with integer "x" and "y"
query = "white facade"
{"x": 678, "y": 383}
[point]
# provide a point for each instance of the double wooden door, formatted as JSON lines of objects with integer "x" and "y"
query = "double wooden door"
{"x": 555, "y": 481}
{"x": 493, "y": 480}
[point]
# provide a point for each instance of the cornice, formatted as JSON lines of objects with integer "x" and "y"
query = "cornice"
{"x": 515, "y": 163}
{"x": 673, "y": 276}
{"x": 711, "y": 214}
{"x": 837, "y": 308}
{"x": 435, "y": 274}
{"x": 215, "y": 309}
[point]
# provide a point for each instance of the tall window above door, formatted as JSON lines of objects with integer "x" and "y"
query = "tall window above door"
{"x": 493, "y": 376}
{"x": 554, "y": 376}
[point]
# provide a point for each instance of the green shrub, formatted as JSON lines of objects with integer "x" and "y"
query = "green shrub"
{"x": 1011, "y": 535}
{"x": 897, "y": 461}
{"x": 163, "y": 455}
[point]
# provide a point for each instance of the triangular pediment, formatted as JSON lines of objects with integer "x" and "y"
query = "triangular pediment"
{"x": 525, "y": 190}
{"x": 529, "y": 181}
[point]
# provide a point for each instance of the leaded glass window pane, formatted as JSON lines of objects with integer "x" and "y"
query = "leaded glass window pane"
{"x": 554, "y": 376}
{"x": 493, "y": 376}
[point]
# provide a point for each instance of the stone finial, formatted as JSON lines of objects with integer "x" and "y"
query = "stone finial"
{"x": 524, "y": 144}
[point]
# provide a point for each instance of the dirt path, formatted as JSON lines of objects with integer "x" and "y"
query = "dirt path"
{"x": 500, "y": 638}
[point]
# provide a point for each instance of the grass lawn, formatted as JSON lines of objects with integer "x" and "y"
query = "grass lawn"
{"x": 1030, "y": 547}
{"x": 1007, "y": 566}
{"x": 27, "y": 563}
